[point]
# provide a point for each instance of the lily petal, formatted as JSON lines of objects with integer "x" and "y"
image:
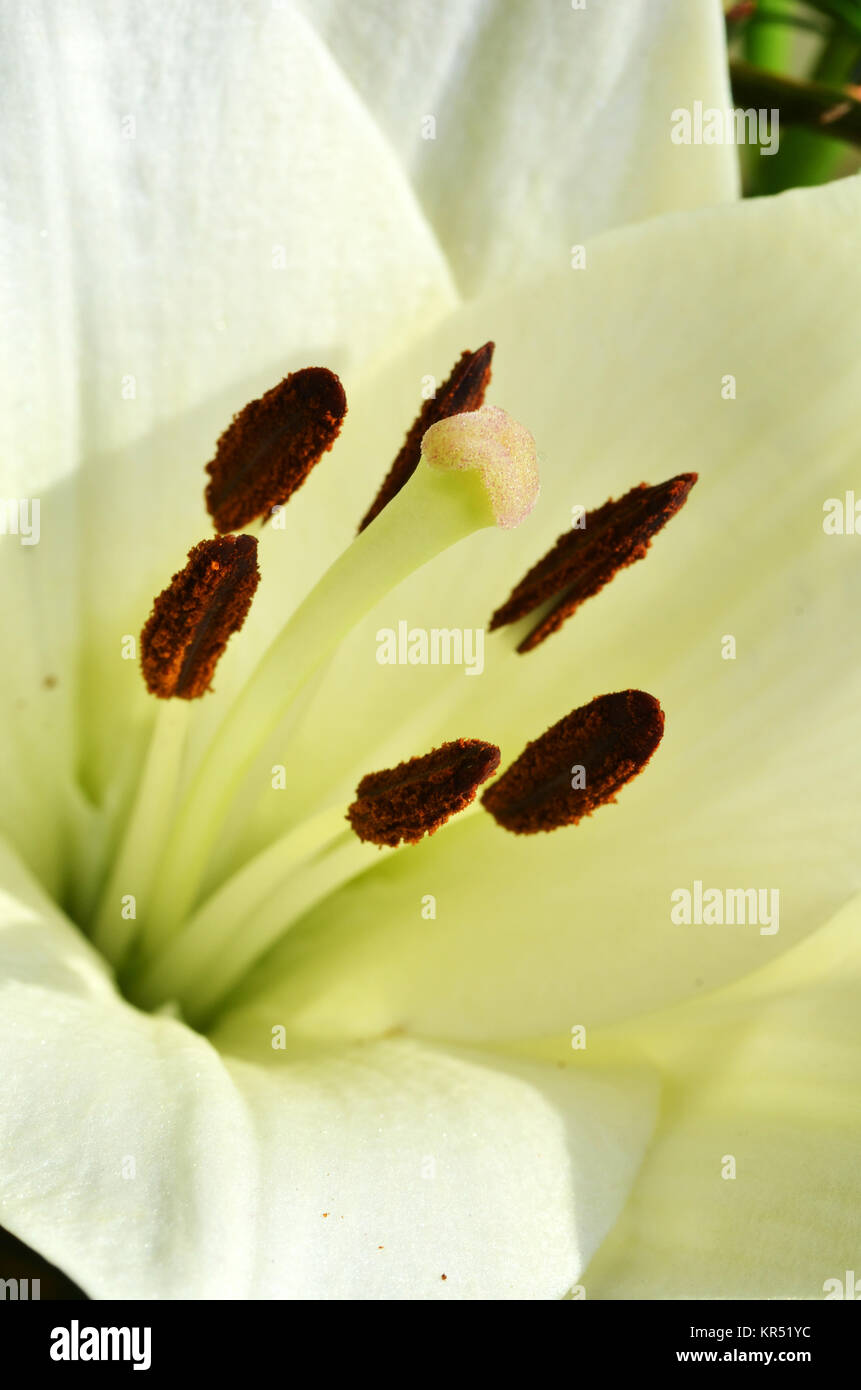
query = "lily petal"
{"x": 528, "y": 128}
{"x": 147, "y": 1165}
{"x": 39, "y": 630}
{"x": 764, "y": 1073}
{"x": 190, "y": 149}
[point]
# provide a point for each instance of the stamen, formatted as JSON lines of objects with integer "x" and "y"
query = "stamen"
{"x": 272, "y": 445}
{"x": 415, "y": 798}
{"x": 577, "y": 765}
{"x": 439, "y": 507}
{"x": 201, "y": 972}
{"x": 195, "y": 616}
{"x": 463, "y": 391}
{"x": 583, "y": 561}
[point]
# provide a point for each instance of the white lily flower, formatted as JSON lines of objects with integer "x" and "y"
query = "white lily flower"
{"x": 360, "y": 1099}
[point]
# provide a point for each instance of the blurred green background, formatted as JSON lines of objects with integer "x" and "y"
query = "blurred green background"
{"x": 803, "y": 60}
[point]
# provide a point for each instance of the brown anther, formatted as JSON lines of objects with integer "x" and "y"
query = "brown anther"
{"x": 270, "y": 447}
{"x": 578, "y": 765}
{"x": 583, "y": 560}
{"x": 418, "y": 796}
{"x": 463, "y": 391}
{"x": 195, "y": 616}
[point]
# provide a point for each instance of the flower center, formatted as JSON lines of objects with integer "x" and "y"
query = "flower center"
{"x": 464, "y": 465}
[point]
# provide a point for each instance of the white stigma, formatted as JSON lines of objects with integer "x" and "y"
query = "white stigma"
{"x": 500, "y": 450}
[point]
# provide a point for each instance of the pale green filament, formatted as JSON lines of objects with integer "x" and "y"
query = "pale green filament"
{"x": 407, "y": 738}
{"x": 246, "y": 924}
{"x": 115, "y": 922}
{"x": 251, "y": 938}
{"x": 204, "y": 936}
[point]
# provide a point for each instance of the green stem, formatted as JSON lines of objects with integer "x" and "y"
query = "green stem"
{"x": 768, "y": 40}
{"x": 845, "y": 13}
{"x": 799, "y": 103}
{"x": 817, "y": 118}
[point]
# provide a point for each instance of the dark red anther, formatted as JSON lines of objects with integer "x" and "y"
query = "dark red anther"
{"x": 419, "y": 795}
{"x": 270, "y": 447}
{"x": 577, "y": 765}
{"x": 463, "y": 391}
{"x": 583, "y": 561}
{"x": 195, "y": 616}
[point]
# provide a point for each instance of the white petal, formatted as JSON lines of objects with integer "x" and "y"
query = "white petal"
{"x": 146, "y": 1165}
{"x": 39, "y": 635}
{"x": 193, "y": 204}
{"x": 766, "y": 1074}
{"x": 529, "y": 128}
{"x": 618, "y": 371}
{"x": 162, "y": 158}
